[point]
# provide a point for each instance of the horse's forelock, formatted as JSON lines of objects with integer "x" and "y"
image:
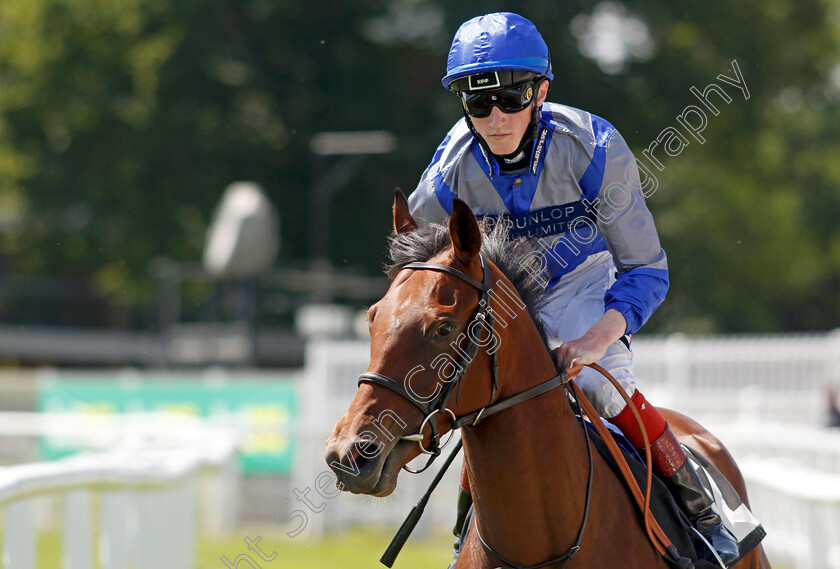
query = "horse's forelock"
{"x": 510, "y": 256}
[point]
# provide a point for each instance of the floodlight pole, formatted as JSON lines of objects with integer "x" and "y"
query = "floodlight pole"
{"x": 352, "y": 148}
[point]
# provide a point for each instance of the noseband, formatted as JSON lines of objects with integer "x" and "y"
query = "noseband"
{"x": 438, "y": 404}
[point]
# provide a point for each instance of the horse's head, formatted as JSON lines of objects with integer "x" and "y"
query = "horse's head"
{"x": 425, "y": 332}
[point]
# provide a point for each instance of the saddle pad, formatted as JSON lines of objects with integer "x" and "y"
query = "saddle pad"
{"x": 670, "y": 517}
{"x": 734, "y": 513}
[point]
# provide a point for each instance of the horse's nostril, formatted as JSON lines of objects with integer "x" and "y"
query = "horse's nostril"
{"x": 366, "y": 448}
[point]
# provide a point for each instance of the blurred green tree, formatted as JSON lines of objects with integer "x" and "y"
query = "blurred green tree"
{"x": 122, "y": 122}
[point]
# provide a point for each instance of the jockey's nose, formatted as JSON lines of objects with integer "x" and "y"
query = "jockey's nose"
{"x": 497, "y": 116}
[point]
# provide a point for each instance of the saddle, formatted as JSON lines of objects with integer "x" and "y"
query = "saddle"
{"x": 730, "y": 510}
{"x": 733, "y": 512}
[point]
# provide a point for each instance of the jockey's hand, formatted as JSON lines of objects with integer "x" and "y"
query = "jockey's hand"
{"x": 573, "y": 355}
{"x": 592, "y": 346}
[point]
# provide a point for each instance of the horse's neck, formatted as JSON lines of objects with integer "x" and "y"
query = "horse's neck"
{"x": 528, "y": 464}
{"x": 528, "y": 472}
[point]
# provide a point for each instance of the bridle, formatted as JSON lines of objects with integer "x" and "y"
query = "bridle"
{"x": 438, "y": 404}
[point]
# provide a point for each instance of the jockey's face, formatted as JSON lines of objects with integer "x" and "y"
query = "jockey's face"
{"x": 504, "y": 131}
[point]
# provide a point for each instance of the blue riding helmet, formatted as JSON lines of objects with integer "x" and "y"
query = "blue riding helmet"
{"x": 497, "y": 42}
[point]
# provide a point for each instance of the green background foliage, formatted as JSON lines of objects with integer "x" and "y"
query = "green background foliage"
{"x": 122, "y": 122}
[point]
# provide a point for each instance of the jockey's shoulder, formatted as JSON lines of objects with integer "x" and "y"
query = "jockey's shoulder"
{"x": 586, "y": 127}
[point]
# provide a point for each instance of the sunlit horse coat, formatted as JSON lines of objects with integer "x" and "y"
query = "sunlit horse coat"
{"x": 581, "y": 205}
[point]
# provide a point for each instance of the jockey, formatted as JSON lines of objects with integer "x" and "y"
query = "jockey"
{"x": 566, "y": 181}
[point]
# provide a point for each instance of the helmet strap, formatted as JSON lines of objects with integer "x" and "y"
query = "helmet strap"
{"x": 475, "y": 134}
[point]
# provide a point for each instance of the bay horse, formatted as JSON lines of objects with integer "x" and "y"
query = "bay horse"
{"x": 527, "y": 465}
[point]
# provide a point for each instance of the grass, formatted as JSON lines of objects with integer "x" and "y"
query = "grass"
{"x": 355, "y": 549}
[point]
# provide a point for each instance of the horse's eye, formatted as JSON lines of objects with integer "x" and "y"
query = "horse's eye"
{"x": 445, "y": 329}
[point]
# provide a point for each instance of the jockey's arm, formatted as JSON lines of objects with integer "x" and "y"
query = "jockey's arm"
{"x": 591, "y": 347}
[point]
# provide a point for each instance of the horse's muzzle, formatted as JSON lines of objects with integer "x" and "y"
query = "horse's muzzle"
{"x": 357, "y": 467}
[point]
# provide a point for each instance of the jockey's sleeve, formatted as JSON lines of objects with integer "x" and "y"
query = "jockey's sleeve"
{"x": 432, "y": 199}
{"x": 629, "y": 231}
{"x": 424, "y": 203}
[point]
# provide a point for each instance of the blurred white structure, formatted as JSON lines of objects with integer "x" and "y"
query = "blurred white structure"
{"x": 152, "y": 489}
{"x": 779, "y": 377}
{"x": 324, "y": 321}
{"x": 799, "y": 506}
{"x": 764, "y": 396}
{"x": 353, "y": 142}
{"x": 244, "y": 235}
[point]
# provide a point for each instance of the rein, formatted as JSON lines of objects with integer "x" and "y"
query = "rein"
{"x": 438, "y": 405}
{"x": 573, "y": 550}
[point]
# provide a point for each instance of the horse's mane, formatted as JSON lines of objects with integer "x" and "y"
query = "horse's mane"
{"x": 429, "y": 239}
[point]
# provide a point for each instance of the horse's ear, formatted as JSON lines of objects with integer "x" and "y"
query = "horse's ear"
{"x": 403, "y": 222}
{"x": 464, "y": 232}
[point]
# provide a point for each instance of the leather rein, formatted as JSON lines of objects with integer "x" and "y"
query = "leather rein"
{"x": 437, "y": 404}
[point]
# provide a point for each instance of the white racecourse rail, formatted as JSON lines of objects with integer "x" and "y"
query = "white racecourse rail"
{"x": 747, "y": 389}
{"x": 147, "y": 490}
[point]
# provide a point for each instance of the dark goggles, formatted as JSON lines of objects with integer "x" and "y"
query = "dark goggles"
{"x": 510, "y": 99}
